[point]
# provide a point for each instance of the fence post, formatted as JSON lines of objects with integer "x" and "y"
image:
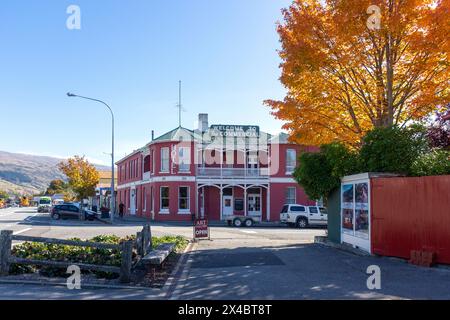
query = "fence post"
{"x": 147, "y": 238}
{"x": 139, "y": 244}
{"x": 5, "y": 251}
{"x": 127, "y": 256}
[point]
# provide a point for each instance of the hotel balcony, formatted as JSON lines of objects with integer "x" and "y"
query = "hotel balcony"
{"x": 232, "y": 173}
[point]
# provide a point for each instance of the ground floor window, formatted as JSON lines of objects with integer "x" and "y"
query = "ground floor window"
{"x": 239, "y": 204}
{"x": 183, "y": 199}
{"x": 164, "y": 195}
{"x": 152, "y": 199}
{"x": 144, "y": 195}
{"x": 291, "y": 195}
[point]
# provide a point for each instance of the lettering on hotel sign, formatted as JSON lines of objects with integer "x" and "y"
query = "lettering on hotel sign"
{"x": 235, "y": 131}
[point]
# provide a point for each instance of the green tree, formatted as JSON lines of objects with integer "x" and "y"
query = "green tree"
{"x": 393, "y": 149}
{"x": 434, "y": 163}
{"x": 4, "y": 194}
{"x": 57, "y": 186}
{"x": 320, "y": 173}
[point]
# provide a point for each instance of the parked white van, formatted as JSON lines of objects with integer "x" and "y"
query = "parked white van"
{"x": 303, "y": 216}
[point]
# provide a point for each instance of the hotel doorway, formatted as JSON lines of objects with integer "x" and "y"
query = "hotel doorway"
{"x": 254, "y": 203}
{"x": 133, "y": 202}
{"x": 227, "y": 202}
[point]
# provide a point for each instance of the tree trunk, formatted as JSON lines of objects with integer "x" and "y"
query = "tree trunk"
{"x": 389, "y": 73}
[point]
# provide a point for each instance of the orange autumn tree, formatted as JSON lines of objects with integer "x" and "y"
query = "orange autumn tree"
{"x": 352, "y": 65}
{"x": 83, "y": 177}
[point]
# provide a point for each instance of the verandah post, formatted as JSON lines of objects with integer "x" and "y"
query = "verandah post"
{"x": 5, "y": 251}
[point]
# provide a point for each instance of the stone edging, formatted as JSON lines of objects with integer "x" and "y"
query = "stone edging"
{"x": 325, "y": 242}
{"x": 60, "y": 284}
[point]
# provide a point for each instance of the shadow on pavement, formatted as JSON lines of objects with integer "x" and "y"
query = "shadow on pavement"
{"x": 307, "y": 271}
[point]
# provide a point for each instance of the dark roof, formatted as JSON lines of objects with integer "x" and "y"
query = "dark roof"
{"x": 175, "y": 134}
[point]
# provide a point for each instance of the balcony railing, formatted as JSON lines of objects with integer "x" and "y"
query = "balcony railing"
{"x": 146, "y": 176}
{"x": 233, "y": 173}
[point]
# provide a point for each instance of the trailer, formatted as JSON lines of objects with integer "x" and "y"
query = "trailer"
{"x": 241, "y": 221}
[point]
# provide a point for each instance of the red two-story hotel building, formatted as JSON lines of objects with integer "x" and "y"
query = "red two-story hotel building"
{"x": 212, "y": 172}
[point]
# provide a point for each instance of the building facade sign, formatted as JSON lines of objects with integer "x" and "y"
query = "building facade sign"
{"x": 234, "y": 131}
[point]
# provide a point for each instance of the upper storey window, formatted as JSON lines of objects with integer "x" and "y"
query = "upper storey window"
{"x": 147, "y": 164}
{"x": 291, "y": 160}
{"x": 164, "y": 159}
{"x": 184, "y": 159}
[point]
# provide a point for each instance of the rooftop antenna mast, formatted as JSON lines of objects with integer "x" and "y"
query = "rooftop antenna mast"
{"x": 179, "y": 106}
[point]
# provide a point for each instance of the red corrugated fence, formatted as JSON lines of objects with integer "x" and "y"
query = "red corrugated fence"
{"x": 411, "y": 214}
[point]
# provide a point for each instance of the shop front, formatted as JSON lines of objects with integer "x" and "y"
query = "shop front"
{"x": 219, "y": 202}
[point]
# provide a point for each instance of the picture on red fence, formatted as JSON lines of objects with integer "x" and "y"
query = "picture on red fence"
{"x": 362, "y": 195}
{"x": 362, "y": 223}
{"x": 347, "y": 196}
{"x": 347, "y": 220}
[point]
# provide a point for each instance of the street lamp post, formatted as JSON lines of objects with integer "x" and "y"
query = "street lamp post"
{"x": 113, "y": 196}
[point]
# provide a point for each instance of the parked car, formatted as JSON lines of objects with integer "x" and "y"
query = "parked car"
{"x": 44, "y": 204}
{"x": 70, "y": 211}
{"x": 303, "y": 216}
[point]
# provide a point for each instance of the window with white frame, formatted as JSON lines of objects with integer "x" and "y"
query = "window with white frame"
{"x": 291, "y": 160}
{"x": 152, "y": 199}
{"x": 164, "y": 199}
{"x": 164, "y": 159}
{"x": 291, "y": 195}
{"x": 144, "y": 194}
{"x": 183, "y": 199}
{"x": 152, "y": 159}
{"x": 184, "y": 159}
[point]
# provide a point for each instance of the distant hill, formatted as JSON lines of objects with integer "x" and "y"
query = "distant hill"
{"x": 26, "y": 174}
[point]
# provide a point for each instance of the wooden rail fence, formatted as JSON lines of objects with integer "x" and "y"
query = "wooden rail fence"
{"x": 143, "y": 245}
{"x": 6, "y": 259}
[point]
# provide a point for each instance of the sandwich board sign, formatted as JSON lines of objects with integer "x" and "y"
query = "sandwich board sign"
{"x": 201, "y": 229}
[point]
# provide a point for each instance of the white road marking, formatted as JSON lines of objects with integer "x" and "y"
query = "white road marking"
{"x": 7, "y": 214}
{"x": 247, "y": 231}
{"x": 28, "y": 219}
{"x": 22, "y": 231}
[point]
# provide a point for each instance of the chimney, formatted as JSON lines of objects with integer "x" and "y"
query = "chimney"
{"x": 153, "y": 135}
{"x": 203, "y": 122}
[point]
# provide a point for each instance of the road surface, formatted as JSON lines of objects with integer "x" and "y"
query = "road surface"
{"x": 245, "y": 263}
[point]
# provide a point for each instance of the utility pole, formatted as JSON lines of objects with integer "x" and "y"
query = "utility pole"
{"x": 113, "y": 194}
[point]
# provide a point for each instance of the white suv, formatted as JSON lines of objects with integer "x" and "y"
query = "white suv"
{"x": 304, "y": 216}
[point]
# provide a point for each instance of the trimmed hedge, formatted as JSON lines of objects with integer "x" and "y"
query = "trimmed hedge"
{"x": 391, "y": 150}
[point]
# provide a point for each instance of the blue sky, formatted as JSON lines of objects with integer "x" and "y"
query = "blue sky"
{"x": 132, "y": 55}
